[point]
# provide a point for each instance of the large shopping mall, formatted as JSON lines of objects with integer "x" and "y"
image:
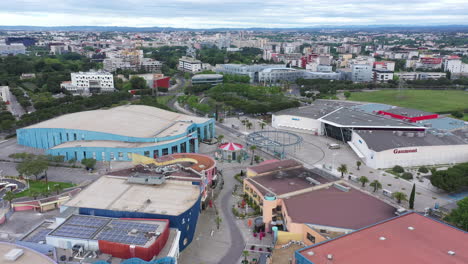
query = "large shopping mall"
{"x": 115, "y": 133}
{"x": 382, "y": 135}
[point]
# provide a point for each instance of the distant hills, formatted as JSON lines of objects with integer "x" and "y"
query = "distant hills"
{"x": 418, "y": 28}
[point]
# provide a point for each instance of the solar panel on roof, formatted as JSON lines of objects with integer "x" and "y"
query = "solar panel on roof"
{"x": 38, "y": 236}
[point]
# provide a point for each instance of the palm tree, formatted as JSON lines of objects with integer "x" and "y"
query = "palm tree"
{"x": 376, "y": 184}
{"x": 363, "y": 180}
{"x": 34, "y": 194}
{"x": 57, "y": 188}
{"x": 249, "y": 125}
{"x": 262, "y": 125}
{"x": 358, "y": 164}
{"x": 245, "y": 254}
{"x": 343, "y": 169}
{"x": 220, "y": 139}
{"x": 399, "y": 196}
{"x": 252, "y": 148}
{"x": 9, "y": 196}
{"x": 218, "y": 221}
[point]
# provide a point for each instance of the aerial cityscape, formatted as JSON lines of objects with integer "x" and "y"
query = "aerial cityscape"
{"x": 220, "y": 132}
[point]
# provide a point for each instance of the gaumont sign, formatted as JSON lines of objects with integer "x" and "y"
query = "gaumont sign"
{"x": 402, "y": 151}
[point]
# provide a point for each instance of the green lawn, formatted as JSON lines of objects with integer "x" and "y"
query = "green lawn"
{"x": 426, "y": 100}
{"x": 165, "y": 99}
{"x": 40, "y": 186}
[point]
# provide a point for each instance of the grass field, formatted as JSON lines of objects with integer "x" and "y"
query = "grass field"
{"x": 40, "y": 187}
{"x": 426, "y": 100}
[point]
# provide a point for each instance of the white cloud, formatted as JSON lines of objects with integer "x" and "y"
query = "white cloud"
{"x": 228, "y": 13}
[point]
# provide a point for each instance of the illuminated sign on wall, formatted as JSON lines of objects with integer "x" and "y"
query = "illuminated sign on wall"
{"x": 402, "y": 151}
{"x": 295, "y": 119}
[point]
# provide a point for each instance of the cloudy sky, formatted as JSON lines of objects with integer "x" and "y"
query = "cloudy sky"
{"x": 231, "y": 13}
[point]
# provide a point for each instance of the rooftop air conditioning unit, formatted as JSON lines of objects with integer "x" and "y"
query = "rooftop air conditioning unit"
{"x": 312, "y": 181}
{"x": 14, "y": 254}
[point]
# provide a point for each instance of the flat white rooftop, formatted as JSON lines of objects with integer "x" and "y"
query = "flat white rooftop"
{"x": 110, "y": 144}
{"x": 128, "y": 120}
{"x": 114, "y": 193}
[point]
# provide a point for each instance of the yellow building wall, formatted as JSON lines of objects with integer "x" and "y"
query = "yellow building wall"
{"x": 318, "y": 237}
{"x": 251, "y": 173}
{"x": 285, "y": 237}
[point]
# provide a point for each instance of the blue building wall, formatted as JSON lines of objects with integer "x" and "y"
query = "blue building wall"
{"x": 47, "y": 138}
{"x": 185, "y": 222}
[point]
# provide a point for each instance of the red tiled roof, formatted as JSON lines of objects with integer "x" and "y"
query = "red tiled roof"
{"x": 429, "y": 242}
{"x": 337, "y": 208}
{"x": 286, "y": 181}
{"x": 272, "y": 166}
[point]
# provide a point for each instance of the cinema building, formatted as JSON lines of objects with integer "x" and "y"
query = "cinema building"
{"x": 382, "y": 135}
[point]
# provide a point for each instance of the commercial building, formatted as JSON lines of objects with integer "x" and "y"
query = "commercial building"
{"x": 385, "y": 65}
{"x": 26, "y": 41}
{"x": 84, "y": 83}
{"x": 361, "y": 73}
{"x": 410, "y": 238}
{"x": 121, "y": 238}
{"x": 154, "y": 80}
{"x": 113, "y": 134}
{"x": 58, "y": 48}
{"x": 5, "y": 93}
{"x": 11, "y": 253}
{"x": 455, "y": 65}
{"x": 382, "y": 75}
{"x": 13, "y": 49}
{"x": 189, "y": 64}
{"x": 262, "y": 73}
{"x": 207, "y": 79}
{"x": 413, "y": 76}
{"x": 309, "y": 205}
{"x": 382, "y": 135}
{"x": 140, "y": 198}
{"x": 130, "y": 59}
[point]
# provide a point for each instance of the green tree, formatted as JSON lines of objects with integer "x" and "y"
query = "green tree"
{"x": 33, "y": 167}
{"x": 245, "y": 254}
{"x": 459, "y": 216}
{"x": 9, "y": 196}
{"x": 363, "y": 180}
{"x": 400, "y": 196}
{"x": 407, "y": 175}
{"x": 412, "y": 196}
{"x": 423, "y": 169}
{"x": 249, "y": 125}
{"x": 138, "y": 82}
{"x": 376, "y": 185}
{"x": 262, "y": 125}
{"x": 347, "y": 94}
{"x": 57, "y": 188}
{"x": 89, "y": 163}
{"x": 451, "y": 180}
{"x": 220, "y": 139}
{"x": 358, "y": 164}
{"x": 343, "y": 169}
{"x": 398, "y": 169}
{"x": 218, "y": 221}
{"x": 252, "y": 148}
{"x": 34, "y": 194}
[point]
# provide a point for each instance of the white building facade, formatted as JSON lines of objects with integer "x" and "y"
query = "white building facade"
{"x": 189, "y": 64}
{"x": 361, "y": 73}
{"x": 90, "y": 82}
{"x": 13, "y": 49}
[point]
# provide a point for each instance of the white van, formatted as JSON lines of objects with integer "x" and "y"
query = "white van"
{"x": 333, "y": 146}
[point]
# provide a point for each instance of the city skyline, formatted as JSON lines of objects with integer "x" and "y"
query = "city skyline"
{"x": 206, "y": 14}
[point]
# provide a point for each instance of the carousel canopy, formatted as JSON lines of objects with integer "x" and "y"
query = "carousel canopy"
{"x": 231, "y": 146}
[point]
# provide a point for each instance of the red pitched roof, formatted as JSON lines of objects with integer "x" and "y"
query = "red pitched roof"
{"x": 429, "y": 242}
